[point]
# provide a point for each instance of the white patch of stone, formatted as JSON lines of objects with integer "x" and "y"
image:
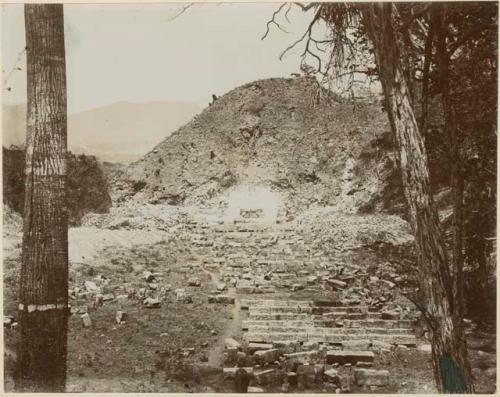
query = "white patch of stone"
{"x": 42, "y": 308}
{"x": 246, "y": 197}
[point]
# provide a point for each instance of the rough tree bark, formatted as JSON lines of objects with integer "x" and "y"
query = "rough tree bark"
{"x": 451, "y": 368}
{"x": 457, "y": 181}
{"x": 43, "y": 297}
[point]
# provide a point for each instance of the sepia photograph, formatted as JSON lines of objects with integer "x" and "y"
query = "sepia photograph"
{"x": 250, "y": 197}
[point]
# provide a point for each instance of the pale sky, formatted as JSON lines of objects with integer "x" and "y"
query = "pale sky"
{"x": 139, "y": 53}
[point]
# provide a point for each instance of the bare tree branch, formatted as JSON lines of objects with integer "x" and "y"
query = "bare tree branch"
{"x": 272, "y": 21}
{"x": 182, "y": 11}
{"x": 306, "y": 7}
{"x": 16, "y": 67}
{"x": 307, "y": 33}
{"x": 287, "y": 11}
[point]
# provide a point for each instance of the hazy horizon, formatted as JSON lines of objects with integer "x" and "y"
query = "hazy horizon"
{"x": 120, "y": 132}
{"x": 143, "y": 53}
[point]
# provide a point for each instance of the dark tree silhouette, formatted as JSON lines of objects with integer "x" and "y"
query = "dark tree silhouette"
{"x": 424, "y": 51}
{"x": 43, "y": 297}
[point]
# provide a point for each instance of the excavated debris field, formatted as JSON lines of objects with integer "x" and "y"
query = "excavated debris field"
{"x": 183, "y": 312}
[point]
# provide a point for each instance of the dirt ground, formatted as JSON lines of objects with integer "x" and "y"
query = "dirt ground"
{"x": 178, "y": 346}
{"x": 156, "y": 349}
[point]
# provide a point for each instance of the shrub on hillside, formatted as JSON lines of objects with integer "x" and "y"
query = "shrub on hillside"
{"x": 87, "y": 184}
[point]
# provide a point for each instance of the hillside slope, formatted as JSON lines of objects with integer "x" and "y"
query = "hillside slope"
{"x": 276, "y": 133}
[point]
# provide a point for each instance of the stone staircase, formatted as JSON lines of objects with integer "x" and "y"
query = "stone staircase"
{"x": 301, "y": 308}
{"x": 329, "y": 322}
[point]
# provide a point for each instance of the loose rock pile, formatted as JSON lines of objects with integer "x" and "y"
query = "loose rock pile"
{"x": 306, "y": 317}
{"x": 304, "y": 344}
{"x": 309, "y": 318}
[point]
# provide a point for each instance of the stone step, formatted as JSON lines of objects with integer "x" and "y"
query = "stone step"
{"x": 286, "y": 276}
{"x": 272, "y": 303}
{"x": 326, "y": 311}
{"x": 344, "y": 324}
{"x": 248, "y": 290}
{"x": 203, "y": 244}
{"x": 309, "y": 321}
{"x": 341, "y": 315}
{"x": 280, "y": 310}
{"x": 287, "y": 315}
{"x": 378, "y": 323}
{"x": 279, "y": 316}
{"x": 306, "y": 308}
{"x": 338, "y": 316}
{"x": 302, "y": 357}
{"x": 338, "y": 303}
{"x": 329, "y": 331}
{"x": 407, "y": 340}
{"x": 269, "y": 262}
{"x": 237, "y": 264}
{"x": 293, "y": 325}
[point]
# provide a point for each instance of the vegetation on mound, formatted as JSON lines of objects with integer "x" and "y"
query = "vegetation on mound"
{"x": 87, "y": 184}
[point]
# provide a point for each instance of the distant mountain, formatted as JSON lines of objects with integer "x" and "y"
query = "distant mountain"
{"x": 121, "y": 132}
{"x": 13, "y": 125}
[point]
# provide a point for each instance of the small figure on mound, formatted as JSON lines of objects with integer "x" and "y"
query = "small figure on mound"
{"x": 241, "y": 379}
{"x": 214, "y": 98}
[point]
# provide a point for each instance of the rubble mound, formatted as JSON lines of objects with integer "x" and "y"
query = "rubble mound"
{"x": 290, "y": 135}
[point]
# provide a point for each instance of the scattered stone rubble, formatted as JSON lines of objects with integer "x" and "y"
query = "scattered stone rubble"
{"x": 309, "y": 318}
{"x": 301, "y": 343}
{"x": 297, "y": 343}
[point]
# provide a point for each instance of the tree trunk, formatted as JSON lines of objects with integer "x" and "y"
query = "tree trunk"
{"x": 451, "y": 132}
{"x": 43, "y": 297}
{"x": 449, "y": 357}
